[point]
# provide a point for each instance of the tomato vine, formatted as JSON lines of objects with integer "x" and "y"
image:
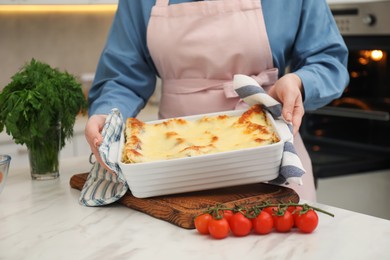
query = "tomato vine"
{"x": 219, "y": 220}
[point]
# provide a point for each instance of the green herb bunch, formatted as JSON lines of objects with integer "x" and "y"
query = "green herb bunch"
{"x": 37, "y": 98}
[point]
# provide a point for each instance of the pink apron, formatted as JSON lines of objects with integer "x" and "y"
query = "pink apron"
{"x": 198, "y": 47}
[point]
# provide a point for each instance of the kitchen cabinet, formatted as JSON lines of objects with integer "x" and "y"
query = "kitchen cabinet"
{"x": 9, "y": 2}
{"x": 103, "y": 1}
{"x": 39, "y": 2}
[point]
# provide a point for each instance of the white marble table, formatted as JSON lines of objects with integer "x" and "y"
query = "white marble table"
{"x": 43, "y": 220}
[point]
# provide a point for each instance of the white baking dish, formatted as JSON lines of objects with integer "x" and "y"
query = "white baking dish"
{"x": 245, "y": 166}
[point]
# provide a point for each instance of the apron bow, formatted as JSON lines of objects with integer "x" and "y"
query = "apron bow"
{"x": 265, "y": 79}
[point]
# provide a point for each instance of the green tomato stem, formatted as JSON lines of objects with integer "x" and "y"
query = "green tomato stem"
{"x": 215, "y": 211}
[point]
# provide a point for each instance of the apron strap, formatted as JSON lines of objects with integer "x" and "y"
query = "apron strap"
{"x": 186, "y": 86}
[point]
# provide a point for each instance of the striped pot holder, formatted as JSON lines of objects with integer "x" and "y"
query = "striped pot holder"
{"x": 103, "y": 187}
{"x": 291, "y": 169}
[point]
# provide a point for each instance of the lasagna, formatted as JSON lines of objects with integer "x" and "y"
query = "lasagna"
{"x": 178, "y": 137}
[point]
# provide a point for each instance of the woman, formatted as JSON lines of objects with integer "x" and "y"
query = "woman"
{"x": 197, "y": 46}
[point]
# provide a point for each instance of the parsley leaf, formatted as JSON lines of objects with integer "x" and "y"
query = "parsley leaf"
{"x": 37, "y": 98}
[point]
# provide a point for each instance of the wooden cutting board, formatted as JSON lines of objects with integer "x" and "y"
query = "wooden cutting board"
{"x": 180, "y": 209}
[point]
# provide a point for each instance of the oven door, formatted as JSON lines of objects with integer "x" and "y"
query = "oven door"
{"x": 352, "y": 134}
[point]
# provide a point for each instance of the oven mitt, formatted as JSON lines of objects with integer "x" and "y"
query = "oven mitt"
{"x": 249, "y": 90}
{"x": 101, "y": 186}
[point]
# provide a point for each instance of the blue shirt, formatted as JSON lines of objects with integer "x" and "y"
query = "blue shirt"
{"x": 302, "y": 33}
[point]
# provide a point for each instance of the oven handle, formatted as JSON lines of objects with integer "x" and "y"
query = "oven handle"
{"x": 352, "y": 113}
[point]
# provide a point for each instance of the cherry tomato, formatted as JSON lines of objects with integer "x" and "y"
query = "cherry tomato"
{"x": 219, "y": 228}
{"x": 240, "y": 224}
{"x": 284, "y": 223}
{"x": 202, "y": 223}
{"x": 291, "y": 209}
{"x": 307, "y": 221}
{"x": 227, "y": 214}
{"x": 271, "y": 210}
{"x": 295, "y": 210}
{"x": 263, "y": 223}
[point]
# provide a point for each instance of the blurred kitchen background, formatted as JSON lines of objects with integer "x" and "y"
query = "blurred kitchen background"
{"x": 348, "y": 140}
{"x": 69, "y": 39}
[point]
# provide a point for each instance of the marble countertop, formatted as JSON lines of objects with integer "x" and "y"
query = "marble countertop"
{"x": 43, "y": 220}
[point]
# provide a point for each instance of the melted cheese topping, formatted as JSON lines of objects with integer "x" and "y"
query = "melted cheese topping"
{"x": 177, "y": 138}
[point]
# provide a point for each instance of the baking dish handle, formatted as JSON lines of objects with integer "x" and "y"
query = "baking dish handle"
{"x": 283, "y": 130}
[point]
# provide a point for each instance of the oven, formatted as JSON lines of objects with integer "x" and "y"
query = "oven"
{"x": 352, "y": 134}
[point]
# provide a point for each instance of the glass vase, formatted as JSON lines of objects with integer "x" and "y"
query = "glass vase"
{"x": 44, "y": 155}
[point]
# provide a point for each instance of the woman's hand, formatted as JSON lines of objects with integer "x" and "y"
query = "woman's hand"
{"x": 93, "y": 130}
{"x": 288, "y": 91}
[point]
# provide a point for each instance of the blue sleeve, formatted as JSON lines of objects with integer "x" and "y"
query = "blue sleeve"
{"x": 125, "y": 76}
{"x": 319, "y": 55}
{"x": 304, "y": 38}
